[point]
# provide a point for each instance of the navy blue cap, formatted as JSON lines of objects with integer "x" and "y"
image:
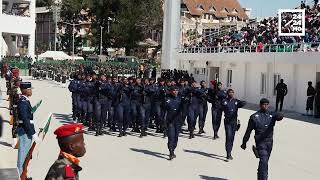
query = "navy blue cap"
{"x": 25, "y": 85}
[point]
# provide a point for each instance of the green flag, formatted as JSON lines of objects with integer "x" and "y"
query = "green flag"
{"x": 46, "y": 127}
{"x": 35, "y": 107}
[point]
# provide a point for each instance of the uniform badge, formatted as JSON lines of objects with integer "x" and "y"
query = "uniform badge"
{"x": 236, "y": 103}
{"x": 271, "y": 116}
{"x": 225, "y": 103}
{"x": 256, "y": 115}
{"x": 69, "y": 171}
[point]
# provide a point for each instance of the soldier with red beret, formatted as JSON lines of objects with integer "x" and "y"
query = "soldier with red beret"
{"x": 72, "y": 146}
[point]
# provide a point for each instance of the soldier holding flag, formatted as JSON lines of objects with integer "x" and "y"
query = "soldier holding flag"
{"x": 26, "y": 130}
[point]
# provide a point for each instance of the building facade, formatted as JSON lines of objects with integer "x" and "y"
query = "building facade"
{"x": 17, "y": 28}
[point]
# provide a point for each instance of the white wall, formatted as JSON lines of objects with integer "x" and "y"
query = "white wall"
{"x": 296, "y": 69}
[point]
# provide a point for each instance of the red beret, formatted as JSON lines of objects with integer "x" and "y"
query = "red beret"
{"x": 68, "y": 130}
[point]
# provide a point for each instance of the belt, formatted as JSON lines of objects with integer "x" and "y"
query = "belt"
{"x": 31, "y": 122}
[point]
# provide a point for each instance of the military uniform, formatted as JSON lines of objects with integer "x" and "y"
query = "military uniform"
{"x": 66, "y": 167}
{"x": 173, "y": 110}
{"x": 63, "y": 169}
{"x": 230, "y": 107}
{"x": 263, "y": 123}
{"x": 26, "y": 130}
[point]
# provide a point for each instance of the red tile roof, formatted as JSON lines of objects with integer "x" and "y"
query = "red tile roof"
{"x": 216, "y": 7}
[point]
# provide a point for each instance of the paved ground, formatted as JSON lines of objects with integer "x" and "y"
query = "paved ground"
{"x": 295, "y": 153}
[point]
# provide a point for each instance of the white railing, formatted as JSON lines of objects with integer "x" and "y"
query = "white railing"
{"x": 277, "y": 48}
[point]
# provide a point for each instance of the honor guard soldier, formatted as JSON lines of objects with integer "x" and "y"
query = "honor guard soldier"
{"x": 72, "y": 146}
{"x": 230, "y": 107}
{"x": 173, "y": 110}
{"x": 26, "y": 131}
{"x": 263, "y": 123}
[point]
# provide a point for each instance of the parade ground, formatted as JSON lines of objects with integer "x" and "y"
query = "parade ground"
{"x": 294, "y": 156}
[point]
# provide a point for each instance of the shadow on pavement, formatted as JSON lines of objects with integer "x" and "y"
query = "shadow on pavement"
{"x": 5, "y": 144}
{"x": 211, "y": 178}
{"x": 288, "y": 114}
{"x": 214, "y": 156}
{"x": 151, "y": 153}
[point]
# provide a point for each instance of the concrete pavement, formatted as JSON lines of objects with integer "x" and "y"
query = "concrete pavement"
{"x": 294, "y": 156}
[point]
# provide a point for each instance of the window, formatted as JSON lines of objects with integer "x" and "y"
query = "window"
{"x": 263, "y": 88}
{"x": 229, "y": 78}
{"x": 276, "y": 80}
{"x": 200, "y": 7}
{"x": 212, "y": 9}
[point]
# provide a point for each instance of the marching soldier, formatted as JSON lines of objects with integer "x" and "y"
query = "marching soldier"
{"x": 203, "y": 106}
{"x": 230, "y": 107}
{"x": 173, "y": 110}
{"x": 263, "y": 123}
{"x": 282, "y": 91}
{"x": 137, "y": 107}
{"x": 72, "y": 146}
{"x": 221, "y": 94}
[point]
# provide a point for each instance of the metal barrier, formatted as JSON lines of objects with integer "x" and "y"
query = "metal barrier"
{"x": 295, "y": 47}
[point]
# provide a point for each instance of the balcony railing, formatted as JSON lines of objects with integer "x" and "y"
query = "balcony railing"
{"x": 269, "y": 48}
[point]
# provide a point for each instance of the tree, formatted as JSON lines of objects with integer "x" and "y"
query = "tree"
{"x": 43, "y": 3}
{"x": 70, "y": 13}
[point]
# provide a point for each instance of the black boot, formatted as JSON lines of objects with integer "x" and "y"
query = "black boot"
{"x": 215, "y": 137}
{"x": 191, "y": 135}
{"x": 201, "y": 131}
{"x": 229, "y": 157}
{"x": 171, "y": 155}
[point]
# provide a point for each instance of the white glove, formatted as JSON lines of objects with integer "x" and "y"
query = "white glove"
{"x": 36, "y": 138}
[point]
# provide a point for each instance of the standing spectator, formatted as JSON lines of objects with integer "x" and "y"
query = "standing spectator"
{"x": 311, "y": 92}
{"x": 282, "y": 91}
{"x": 317, "y": 101}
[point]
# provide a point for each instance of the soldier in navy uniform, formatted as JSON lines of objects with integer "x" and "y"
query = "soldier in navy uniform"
{"x": 230, "y": 107}
{"x": 122, "y": 106}
{"x": 263, "y": 122}
{"x": 137, "y": 108}
{"x": 72, "y": 146}
{"x": 26, "y": 130}
{"x": 203, "y": 106}
{"x": 173, "y": 110}
{"x": 74, "y": 89}
{"x": 216, "y": 110}
{"x": 147, "y": 94}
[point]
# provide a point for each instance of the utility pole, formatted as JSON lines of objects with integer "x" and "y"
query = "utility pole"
{"x": 55, "y": 26}
{"x": 73, "y": 27}
{"x": 101, "y": 28}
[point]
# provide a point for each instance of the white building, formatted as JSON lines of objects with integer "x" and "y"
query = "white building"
{"x": 253, "y": 75}
{"x": 17, "y": 29}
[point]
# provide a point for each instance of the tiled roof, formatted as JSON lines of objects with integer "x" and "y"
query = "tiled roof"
{"x": 216, "y": 7}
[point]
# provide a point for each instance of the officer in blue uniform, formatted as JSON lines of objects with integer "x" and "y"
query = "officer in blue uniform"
{"x": 230, "y": 107}
{"x": 193, "y": 108}
{"x": 89, "y": 92}
{"x": 26, "y": 130}
{"x": 158, "y": 100}
{"x": 216, "y": 110}
{"x": 173, "y": 111}
{"x": 101, "y": 103}
{"x": 147, "y": 95}
{"x": 137, "y": 108}
{"x": 203, "y": 106}
{"x": 183, "y": 93}
{"x": 81, "y": 99}
{"x": 263, "y": 122}
{"x": 122, "y": 106}
{"x": 73, "y": 88}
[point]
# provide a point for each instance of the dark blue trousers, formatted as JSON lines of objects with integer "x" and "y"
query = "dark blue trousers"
{"x": 216, "y": 119}
{"x": 138, "y": 113}
{"x": 193, "y": 113}
{"x": 230, "y": 126}
{"x": 101, "y": 108}
{"x": 203, "y": 110}
{"x": 157, "y": 113}
{"x": 122, "y": 116}
{"x": 173, "y": 130}
{"x": 146, "y": 120}
{"x": 264, "y": 150}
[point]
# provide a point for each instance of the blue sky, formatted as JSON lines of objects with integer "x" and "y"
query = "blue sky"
{"x": 266, "y": 8}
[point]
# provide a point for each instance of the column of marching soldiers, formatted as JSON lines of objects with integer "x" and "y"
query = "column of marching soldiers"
{"x": 123, "y": 104}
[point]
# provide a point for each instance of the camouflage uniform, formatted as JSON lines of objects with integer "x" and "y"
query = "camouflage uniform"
{"x": 63, "y": 169}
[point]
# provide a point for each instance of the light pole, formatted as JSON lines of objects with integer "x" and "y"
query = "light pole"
{"x": 73, "y": 27}
{"x": 101, "y": 28}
